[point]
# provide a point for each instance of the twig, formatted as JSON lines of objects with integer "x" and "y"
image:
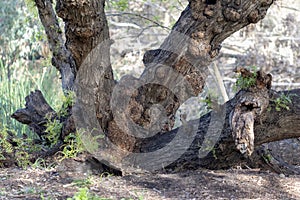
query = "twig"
{"x": 125, "y": 25}
{"x": 137, "y": 15}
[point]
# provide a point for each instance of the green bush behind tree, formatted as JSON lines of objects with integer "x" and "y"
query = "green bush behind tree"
{"x": 24, "y": 62}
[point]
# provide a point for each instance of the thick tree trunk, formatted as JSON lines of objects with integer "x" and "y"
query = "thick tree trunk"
{"x": 222, "y": 154}
{"x": 87, "y": 38}
{"x": 272, "y": 126}
{"x": 138, "y": 114}
{"x": 178, "y": 69}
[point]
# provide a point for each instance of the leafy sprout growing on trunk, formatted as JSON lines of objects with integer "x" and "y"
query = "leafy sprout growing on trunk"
{"x": 246, "y": 78}
{"x": 283, "y": 102}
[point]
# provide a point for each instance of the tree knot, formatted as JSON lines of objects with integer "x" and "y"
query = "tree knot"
{"x": 249, "y": 105}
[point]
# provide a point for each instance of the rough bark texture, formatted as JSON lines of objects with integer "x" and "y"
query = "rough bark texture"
{"x": 34, "y": 113}
{"x": 85, "y": 26}
{"x": 62, "y": 58}
{"x": 86, "y": 33}
{"x": 83, "y": 58}
{"x": 251, "y": 105}
{"x": 87, "y": 38}
{"x": 174, "y": 72}
{"x": 37, "y": 114}
{"x": 178, "y": 69}
{"x": 270, "y": 127}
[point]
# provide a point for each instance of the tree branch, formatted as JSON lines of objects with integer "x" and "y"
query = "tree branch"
{"x": 87, "y": 46}
{"x": 178, "y": 69}
{"x": 272, "y": 126}
{"x": 62, "y": 58}
{"x": 139, "y": 16}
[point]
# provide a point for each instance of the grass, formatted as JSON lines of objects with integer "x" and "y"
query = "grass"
{"x": 17, "y": 81}
{"x": 84, "y": 194}
{"x": 24, "y": 62}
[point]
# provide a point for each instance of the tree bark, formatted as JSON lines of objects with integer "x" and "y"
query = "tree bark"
{"x": 271, "y": 127}
{"x": 87, "y": 38}
{"x": 138, "y": 114}
{"x": 178, "y": 69}
{"x": 34, "y": 115}
{"x": 62, "y": 58}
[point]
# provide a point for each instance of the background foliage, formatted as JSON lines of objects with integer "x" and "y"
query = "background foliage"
{"x": 24, "y": 62}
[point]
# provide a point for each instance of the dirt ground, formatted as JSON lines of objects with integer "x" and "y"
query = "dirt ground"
{"x": 57, "y": 183}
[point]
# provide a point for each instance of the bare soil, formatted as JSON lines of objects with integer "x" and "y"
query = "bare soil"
{"x": 61, "y": 182}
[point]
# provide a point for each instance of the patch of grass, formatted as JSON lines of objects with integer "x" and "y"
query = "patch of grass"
{"x": 73, "y": 146}
{"x": 18, "y": 147}
{"x": 282, "y": 102}
{"x": 83, "y": 182}
{"x": 17, "y": 84}
{"x": 25, "y": 64}
{"x": 84, "y": 194}
{"x": 41, "y": 163}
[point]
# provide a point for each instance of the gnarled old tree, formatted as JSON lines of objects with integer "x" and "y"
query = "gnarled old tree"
{"x": 136, "y": 115}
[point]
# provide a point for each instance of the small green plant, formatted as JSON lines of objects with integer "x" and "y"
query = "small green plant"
{"x": 73, "y": 146}
{"x": 53, "y": 129}
{"x": 41, "y": 163}
{"x": 2, "y": 192}
{"x": 282, "y": 102}
{"x": 267, "y": 157}
{"x": 245, "y": 82}
{"x": 84, "y": 194}
{"x": 214, "y": 153}
{"x": 13, "y": 145}
{"x": 105, "y": 174}
{"x": 23, "y": 159}
{"x": 83, "y": 182}
{"x": 211, "y": 100}
{"x": 4, "y": 144}
{"x": 68, "y": 101}
{"x": 42, "y": 196}
{"x": 54, "y": 126}
{"x": 208, "y": 148}
{"x": 88, "y": 140}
